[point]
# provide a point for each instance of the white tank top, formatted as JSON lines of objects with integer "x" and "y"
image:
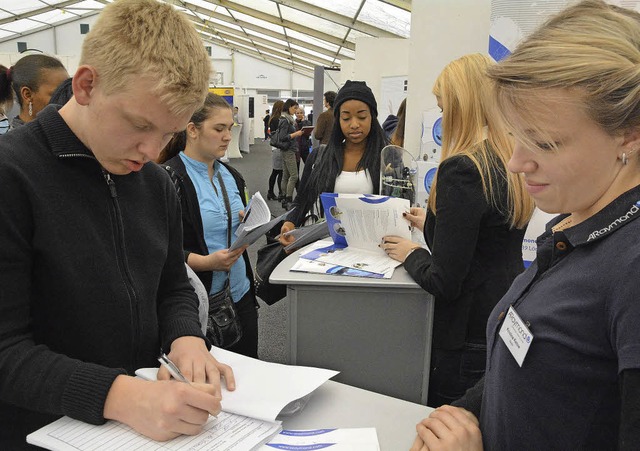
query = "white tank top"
{"x": 354, "y": 183}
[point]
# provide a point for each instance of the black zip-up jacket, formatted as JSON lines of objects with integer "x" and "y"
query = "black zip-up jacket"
{"x": 92, "y": 279}
{"x": 192, "y": 220}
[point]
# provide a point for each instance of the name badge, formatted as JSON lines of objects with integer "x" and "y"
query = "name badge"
{"x": 516, "y": 335}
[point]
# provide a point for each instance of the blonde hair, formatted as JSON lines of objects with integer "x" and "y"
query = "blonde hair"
{"x": 470, "y": 128}
{"x": 591, "y": 49}
{"x": 138, "y": 38}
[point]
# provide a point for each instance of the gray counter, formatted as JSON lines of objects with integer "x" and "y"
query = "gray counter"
{"x": 376, "y": 332}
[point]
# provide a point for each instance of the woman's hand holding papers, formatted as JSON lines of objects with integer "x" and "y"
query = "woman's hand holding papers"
{"x": 221, "y": 260}
{"x": 284, "y": 238}
{"x": 448, "y": 428}
{"x": 398, "y": 248}
{"x": 416, "y": 216}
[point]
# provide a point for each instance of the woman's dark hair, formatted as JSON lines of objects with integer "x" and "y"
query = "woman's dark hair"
{"x": 63, "y": 93}
{"x": 28, "y": 72}
{"x": 328, "y": 164}
{"x": 288, "y": 104}
{"x": 179, "y": 141}
{"x": 5, "y": 84}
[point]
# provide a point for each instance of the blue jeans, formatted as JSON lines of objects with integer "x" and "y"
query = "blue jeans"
{"x": 454, "y": 372}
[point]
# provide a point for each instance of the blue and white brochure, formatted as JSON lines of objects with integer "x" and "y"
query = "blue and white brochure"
{"x": 341, "y": 439}
{"x": 361, "y": 220}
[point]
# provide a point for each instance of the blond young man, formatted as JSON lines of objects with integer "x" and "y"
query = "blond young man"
{"x": 92, "y": 276}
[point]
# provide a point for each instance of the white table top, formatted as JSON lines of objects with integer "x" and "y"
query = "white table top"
{"x": 282, "y": 275}
{"x": 335, "y": 405}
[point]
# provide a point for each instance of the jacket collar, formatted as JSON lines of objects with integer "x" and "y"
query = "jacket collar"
{"x": 62, "y": 140}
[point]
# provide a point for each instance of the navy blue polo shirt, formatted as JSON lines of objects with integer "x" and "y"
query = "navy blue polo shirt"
{"x": 581, "y": 298}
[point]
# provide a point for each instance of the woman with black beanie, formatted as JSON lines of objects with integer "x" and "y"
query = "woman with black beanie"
{"x": 350, "y": 162}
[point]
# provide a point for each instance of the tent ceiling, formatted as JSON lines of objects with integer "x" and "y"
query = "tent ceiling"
{"x": 294, "y": 34}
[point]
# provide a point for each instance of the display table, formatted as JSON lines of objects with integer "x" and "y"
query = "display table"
{"x": 376, "y": 332}
{"x": 335, "y": 405}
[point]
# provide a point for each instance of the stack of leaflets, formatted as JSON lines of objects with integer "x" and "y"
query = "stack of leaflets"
{"x": 357, "y": 223}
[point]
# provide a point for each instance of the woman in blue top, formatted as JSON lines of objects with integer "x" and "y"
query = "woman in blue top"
{"x": 194, "y": 156}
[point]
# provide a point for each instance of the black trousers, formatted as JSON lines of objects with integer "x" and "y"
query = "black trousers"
{"x": 454, "y": 372}
{"x": 247, "y": 309}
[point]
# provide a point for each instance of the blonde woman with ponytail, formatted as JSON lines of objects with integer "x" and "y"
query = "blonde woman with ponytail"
{"x": 474, "y": 226}
{"x": 563, "y": 363}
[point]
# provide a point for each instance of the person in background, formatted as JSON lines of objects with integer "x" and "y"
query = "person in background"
{"x": 235, "y": 115}
{"x": 310, "y": 117}
{"x": 91, "y": 263}
{"x": 303, "y": 141}
{"x": 475, "y": 221}
{"x": 195, "y": 156}
{"x": 63, "y": 93}
{"x": 6, "y": 99}
{"x": 350, "y": 163}
{"x": 266, "y": 119}
{"x": 397, "y": 135}
{"x": 33, "y": 79}
{"x": 390, "y": 124}
{"x": 574, "y": 312}
{"x": 287, "y": 135}
{"x": 324, "y": 125}
{"x": 275, "y": 179}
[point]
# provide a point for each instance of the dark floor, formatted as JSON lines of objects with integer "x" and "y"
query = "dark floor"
{"x": 255, "y": 167}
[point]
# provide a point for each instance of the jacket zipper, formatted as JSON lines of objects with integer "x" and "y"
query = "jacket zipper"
{"x": 131, "y": 291}
{"x": 124, "y": 268}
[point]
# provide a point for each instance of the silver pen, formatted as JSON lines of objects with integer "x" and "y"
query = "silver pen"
{"x": 172, "y": 368}
{"x": 175, "y": 372}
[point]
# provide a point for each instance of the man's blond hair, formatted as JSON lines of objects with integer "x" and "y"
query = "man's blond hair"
{"x": 146, "y": 38}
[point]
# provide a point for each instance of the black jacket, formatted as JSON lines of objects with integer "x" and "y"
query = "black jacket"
{"x": 192, "y": 220}
{"x": 92, "y": 279}
{"x": 475, "y": 254}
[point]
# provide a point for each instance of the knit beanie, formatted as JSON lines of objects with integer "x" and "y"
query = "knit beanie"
{"x": 355, "y": 90}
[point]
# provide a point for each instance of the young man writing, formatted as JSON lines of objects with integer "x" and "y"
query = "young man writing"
{"x": 92, "y": 278}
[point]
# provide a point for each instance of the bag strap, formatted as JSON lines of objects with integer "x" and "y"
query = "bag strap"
{"x": 227, "y": 205}
{"x": 176, "y": 179}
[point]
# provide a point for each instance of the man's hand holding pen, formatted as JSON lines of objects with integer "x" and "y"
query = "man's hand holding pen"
{"x": 167, "y": 408}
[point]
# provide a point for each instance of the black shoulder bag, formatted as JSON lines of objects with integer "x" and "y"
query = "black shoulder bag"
{"x": 223, "y": 325}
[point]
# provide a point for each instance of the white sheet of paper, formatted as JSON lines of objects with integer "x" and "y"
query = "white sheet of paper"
{"x": 256, "y": 213}
{"x": 262, "y": 388}
{"x": 366, "y": 223}
{"x": 67, "y": 434}
{"x": 343, "y": 439}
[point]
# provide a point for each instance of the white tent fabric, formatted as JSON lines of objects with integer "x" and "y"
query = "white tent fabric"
{"x": 295, "y": 34}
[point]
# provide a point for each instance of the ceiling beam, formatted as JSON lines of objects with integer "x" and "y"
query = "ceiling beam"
{"x": 35, "y": 12}
{"x": 331, "y": 16}
{"x": 267, "y": 18}
{"x": 271, "y": 60}
{"x": 262, "y": 44}
{"x": 16, "y": 35}
{"x": 233, "y": 41}
{"x": 402, "y": 4}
